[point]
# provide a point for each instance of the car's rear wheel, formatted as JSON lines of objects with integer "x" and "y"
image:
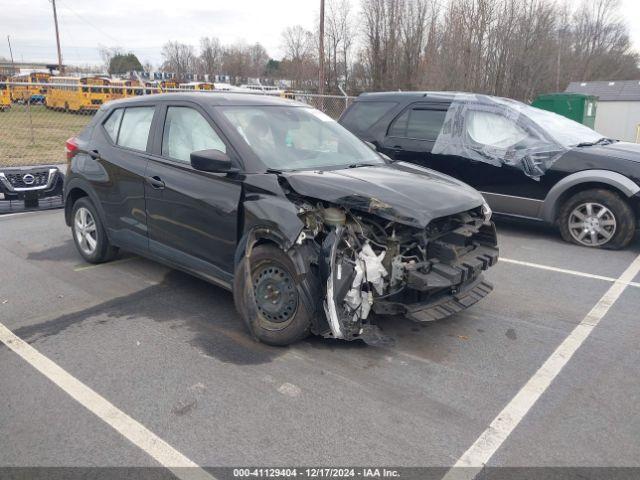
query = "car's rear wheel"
{"x": 270, "y": 305}
{"x": 89, "y": 234}
{"x": 597, "y": 218}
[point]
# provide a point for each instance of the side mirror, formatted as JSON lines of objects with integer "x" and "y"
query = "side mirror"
{"x": 211, "y": 161}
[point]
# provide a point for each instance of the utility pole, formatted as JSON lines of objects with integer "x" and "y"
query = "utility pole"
{"x": 55, "y": 21}
{"x": 13, "y": 67}
{"x": 321, "y": 52}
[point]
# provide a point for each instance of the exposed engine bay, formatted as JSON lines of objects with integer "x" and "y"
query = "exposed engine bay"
{"x": 371, "y": 264}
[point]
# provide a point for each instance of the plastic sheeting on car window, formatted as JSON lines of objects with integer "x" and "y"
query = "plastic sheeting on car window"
{"x": 496, "y": 131}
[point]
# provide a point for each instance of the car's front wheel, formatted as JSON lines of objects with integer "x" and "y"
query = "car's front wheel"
{"x": 268, "y": 299}
{"x": 89, "y": 234}
{"x": 597, "y": 218}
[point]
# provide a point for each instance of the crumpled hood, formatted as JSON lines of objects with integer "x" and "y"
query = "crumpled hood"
{"x": 399, "y": 191}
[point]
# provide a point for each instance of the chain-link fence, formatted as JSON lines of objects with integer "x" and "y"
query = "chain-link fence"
{"x": 37, "y": 118}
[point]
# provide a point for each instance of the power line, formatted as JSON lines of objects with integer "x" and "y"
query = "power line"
{"x": 95, "y": 27}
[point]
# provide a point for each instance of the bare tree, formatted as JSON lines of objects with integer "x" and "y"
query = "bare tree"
{"x": 516, "y": 48}
{"x": 236, "y": 62}
{"x": 107, "y": 53}
{"x": 338, "y": 43}
{"x": 210, "y": 58}
{"x": 179, "y": 58}
{"x": 258, "y": 58}
{"x": 299, "y": 62}
{"x": 601, "y": 40}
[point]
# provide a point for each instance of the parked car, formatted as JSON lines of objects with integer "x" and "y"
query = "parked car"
{"x": 527, "y": 162}
{"x": 310, "y": 228}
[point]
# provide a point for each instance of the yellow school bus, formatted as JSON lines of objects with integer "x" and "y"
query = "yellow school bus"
{"x": 119, "y": 88}
{"x": 22, "y": 91}
{"x": 197, "y": 86}
{"x": 125, "y": 88}
{"x": 168, "y": 85}
{"x": 5, "y": 95}
{"x": 74, "y": 94}
{"x": 151, "y": 87}
{"x": 136, "y": 88}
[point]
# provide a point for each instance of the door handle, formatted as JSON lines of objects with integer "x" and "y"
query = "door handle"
{"x": 156, "y": 182}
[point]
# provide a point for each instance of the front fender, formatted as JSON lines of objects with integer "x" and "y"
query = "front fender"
{"x": 614, "y": 179}
{"x": 275, "y": 214}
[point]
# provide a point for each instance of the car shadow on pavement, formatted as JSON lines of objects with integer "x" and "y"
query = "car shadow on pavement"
{"x": 63, "y": 252}
{"x": 204, "y": 310}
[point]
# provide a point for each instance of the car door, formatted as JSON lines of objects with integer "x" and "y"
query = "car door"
{"x": 192, "y": 215}
{"x": 413, "y": 133}
{"x": 117, "y": 175}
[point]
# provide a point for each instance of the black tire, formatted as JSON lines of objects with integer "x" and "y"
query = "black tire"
{"x": 103, "y": 251}
{"x": 625, "y": 220}
{"x": 291, "y": 322}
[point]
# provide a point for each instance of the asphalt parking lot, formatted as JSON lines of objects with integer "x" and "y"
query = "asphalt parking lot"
{"x": 169, "y": 352}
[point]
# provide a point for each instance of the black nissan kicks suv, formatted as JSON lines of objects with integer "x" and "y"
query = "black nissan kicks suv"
{"x": 527, "y": 162}
{"x": 311, "y": 229}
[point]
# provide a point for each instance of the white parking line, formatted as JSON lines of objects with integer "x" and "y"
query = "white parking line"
{"x": 508, "y": 419}
{"x": 132, "y": 430}
{"x": 568, "y": 272}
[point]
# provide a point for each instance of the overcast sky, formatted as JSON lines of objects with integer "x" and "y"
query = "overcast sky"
{"x": 143, "y": 26}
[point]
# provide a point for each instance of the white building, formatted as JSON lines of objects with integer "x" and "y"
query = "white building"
{"x": 618, "y": 109}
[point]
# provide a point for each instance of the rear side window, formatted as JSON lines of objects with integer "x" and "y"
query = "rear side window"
{"x": 113, "y": 124}
{"x": 135, "y": 126}
{"x": 187, "y": 131}
{"x": 421, "y": 123}
{"x": 362, "y": 115}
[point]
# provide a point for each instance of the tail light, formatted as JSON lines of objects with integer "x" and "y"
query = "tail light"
{"x": 71, "y": 147}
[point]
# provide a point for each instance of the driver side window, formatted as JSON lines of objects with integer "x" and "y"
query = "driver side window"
{"x": 187, "y": 131}
{"x": 494, "y": 130}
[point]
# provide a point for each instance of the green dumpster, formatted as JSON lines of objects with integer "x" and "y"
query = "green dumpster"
{"x": 576, "y": 106}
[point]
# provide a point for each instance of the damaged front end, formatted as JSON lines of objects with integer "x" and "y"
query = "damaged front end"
{"x": 370, "y": 262}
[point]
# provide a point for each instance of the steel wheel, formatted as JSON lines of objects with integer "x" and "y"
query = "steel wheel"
{"x": 592, "y": 224}
{"x": 85, "y": 231}
{"x": 275, "y": 294}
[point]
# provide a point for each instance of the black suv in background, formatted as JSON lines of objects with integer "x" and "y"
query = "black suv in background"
{"x": 527, "y": 162}
{"x": 311, "y": 229}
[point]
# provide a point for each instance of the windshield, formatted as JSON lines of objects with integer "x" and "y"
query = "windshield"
{"x": 565, "y": 131}
{"x": 298, "y": 138}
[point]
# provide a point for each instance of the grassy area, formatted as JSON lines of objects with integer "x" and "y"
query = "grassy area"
{"x": 38, "y": 138}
